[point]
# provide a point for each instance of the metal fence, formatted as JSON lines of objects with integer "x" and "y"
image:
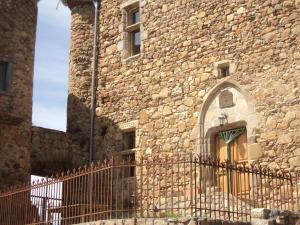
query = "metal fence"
{"x": 172, "y": 187}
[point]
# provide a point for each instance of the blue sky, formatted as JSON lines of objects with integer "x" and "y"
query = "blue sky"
{"x": 51, "y": 65}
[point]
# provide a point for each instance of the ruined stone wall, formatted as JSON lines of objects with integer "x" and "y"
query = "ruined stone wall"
{"x": 52, "y": 151}
{"x": 161, "y": 92}
{"x": 17, "y": 42}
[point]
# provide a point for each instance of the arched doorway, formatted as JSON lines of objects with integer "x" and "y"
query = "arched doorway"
{"x": 227, "y": 124}
{"x": 226, "y": 107}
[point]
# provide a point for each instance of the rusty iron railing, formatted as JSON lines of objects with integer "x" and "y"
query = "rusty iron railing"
{"x": 172, "y": 187}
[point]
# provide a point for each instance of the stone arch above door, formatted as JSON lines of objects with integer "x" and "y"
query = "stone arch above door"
{"x": 228, "y": 106}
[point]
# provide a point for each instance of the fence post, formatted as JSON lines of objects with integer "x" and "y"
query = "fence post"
{"x": 191, "y": 183}
{"x": 297, "y": 191}
{"x": 228, "y": 167}
{"x": 141, "y": 188}
{"x": 10, "y": 210}
{"x": 91, "y": 190}
{"x": 111, "y": 185}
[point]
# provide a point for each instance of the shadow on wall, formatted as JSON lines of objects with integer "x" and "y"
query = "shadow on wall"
{"x": 56, "y": 151}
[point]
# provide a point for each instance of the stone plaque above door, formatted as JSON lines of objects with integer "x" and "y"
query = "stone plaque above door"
{"x": 225, "y": 99}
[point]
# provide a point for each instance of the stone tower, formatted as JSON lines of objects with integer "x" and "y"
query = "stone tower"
{"x": 80, "y": 69}
{"x": 17, "y": 43}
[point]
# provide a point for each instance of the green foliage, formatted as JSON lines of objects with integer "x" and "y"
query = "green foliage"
{"x": 169, "y": 214}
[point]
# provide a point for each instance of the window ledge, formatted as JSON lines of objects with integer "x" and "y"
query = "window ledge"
{"x": 7, "y": 93}
{"x": 132, "y": 58}
{"x": 133, "y": 27}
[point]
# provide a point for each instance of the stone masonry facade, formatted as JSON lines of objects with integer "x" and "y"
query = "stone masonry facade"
{"x": 17, "y": 43}
{"x": 52, "y": 152}
{"x": 171, "y": 92}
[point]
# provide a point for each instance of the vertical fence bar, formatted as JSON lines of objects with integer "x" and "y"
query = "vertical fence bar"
{"x": 122, "y": 189}
{"x": 166, "y": 208}
{"x": 233, "y": 189}
{"x": 213, "y": 168}
{"x": 178, "y": 185}
{"x": 223, "y": 177}
{"x": 297, "y": 180}
{"x": 102, "y": 206}
{"x": 141, "y": 189}
{"x": 172, "y": 186}
{"x": 184, "y": 185}
{"x": 111, "y": 179}
{"x": 228, "y": 175}
{"x": 154, "y": 176}
{"x": 117, "y": 175}
{"x": 279, "y": 189}
{"x": 147, "y": 186}
{"x": 159, "y": 187}
{"x": 195, "y": 185}
{"x": 128, "y": 186}
{"x": 291, "y": 192}
{"x": 134, "y": 193}
{"x": 204, "y": 185}
{"x": 110, "y": 191}
{"x": 209, "y": 183}
{"x": 218, "y": 182}
{"x": 191, "y": 183}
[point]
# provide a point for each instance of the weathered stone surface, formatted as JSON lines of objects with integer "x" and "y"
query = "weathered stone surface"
{"x": 273, "y": 217}
{"x": 255, "y": 151}
{"x": 226, "y": 99}
{"x": 52, "y": 151}
{"x": 164, "y": 221}
{"x": 260, "y": 213}
{"x": 169, "y": 82}
{"x": 295, "y": 161}
{"x": 17, "y": 43}
{"x": 284, "y": 139}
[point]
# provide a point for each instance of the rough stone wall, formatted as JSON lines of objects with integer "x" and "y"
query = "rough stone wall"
{"x": 260, "y": 216}
{"x": 165, "y": 221}
{"x": 52, "y": 151}
{"x": 165, "y": 87}
{"x": 80, "y": 70}
{"x": 17, "y": 42}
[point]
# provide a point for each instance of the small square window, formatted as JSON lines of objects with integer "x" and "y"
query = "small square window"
{"x": 3, "y": 76}
{"x": 223, "y": 71}
{"x": 132, "y": 30}
{"x": 129, "y": 140}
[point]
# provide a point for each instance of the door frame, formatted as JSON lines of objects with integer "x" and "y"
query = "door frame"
{"x": 210, "y": 136}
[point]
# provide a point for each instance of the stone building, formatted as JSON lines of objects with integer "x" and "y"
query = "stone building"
{"x": 172, "y": 75}
{"x": 24, "y": 149}
{"x": 17, "y": 44}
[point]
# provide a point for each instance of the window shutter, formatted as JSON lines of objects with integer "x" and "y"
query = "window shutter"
{"x": 3, "y": 76}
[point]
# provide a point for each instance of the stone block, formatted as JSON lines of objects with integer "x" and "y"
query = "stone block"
{"x": 260, "y": 213}
{"x": 256, "y": 221}
{"x": 255, "y": 151}
{"x": 294, "y": 161}
{"x": 284, "y": 139}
